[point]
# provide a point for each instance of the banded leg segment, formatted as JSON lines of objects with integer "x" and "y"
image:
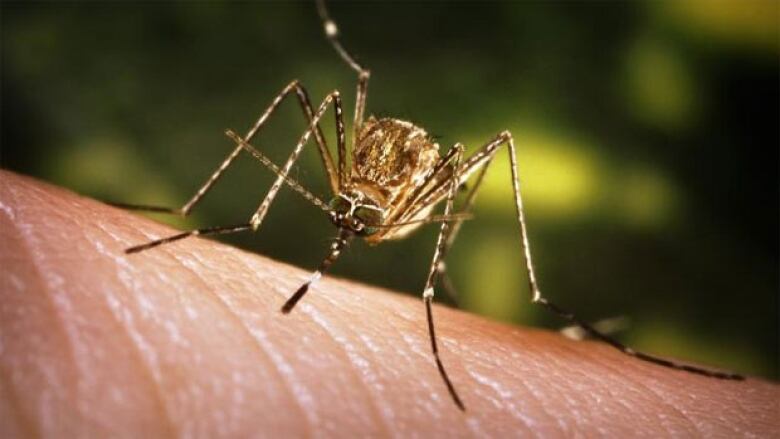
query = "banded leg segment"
{"x": 220, "y": 230}
{"x": 449, "y": 240}
{"x": 429, "y": 283}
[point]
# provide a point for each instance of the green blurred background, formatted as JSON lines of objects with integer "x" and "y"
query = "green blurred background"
{"x": 648, "y": 138}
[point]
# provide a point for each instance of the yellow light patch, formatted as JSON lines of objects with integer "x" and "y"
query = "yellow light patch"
{"x": 747, "y": 22}
{"x": 558, "y": 177}
{"x": 494, "y": 286}
{"x": 108, "y": 164}
{"x": 105, "y": 167}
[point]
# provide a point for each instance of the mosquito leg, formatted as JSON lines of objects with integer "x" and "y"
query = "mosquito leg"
{"x": 428, "y": 291}
{"x": 441, "y": 267}
{"x": 282, "y": 176}
{"x": 308, "y": 111}
{"x": 221, "y": 230}
{"x": 505, "y": 138}
{"x": 303, "y": 100}
{"x": 145, "y": 208}
{"x": 335, "y": 98}
{"x": 593, "y": 332}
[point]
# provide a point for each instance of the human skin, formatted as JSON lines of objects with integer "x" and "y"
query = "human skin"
{"x": 188, "y": 340}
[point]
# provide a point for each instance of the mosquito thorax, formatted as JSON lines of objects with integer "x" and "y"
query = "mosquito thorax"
{"x": 355, "y": 214}
{"x": 392, "y": 156}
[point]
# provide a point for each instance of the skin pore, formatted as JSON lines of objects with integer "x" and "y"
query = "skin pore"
{"x": 188, "y": 339}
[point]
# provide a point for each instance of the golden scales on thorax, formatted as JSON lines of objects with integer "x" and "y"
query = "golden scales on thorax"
{"x": 392, "y": 165}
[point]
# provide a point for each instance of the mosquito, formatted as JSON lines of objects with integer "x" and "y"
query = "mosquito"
{"x": 392, "y": 185}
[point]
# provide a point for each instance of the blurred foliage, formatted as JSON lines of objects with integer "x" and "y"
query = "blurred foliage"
{"x": 647, "y": 136}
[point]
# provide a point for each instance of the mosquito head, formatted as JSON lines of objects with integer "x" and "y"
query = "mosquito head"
{"x": 356, "y": 214}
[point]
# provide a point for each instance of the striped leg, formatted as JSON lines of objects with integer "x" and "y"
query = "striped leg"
{"x": 334, "y": 98}
{"x": 428, "y": 291}
{"x": 441, "y": 267}
{"x": 482, "y": 157}
{"x": 305, "y": 104}
{"x": 282, "y": 174}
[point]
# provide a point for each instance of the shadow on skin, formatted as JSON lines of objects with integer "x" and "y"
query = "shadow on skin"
{"x": 188, "y": 339}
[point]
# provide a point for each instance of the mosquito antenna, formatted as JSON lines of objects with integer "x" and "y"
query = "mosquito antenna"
{"x": 335, "y": 250}
{"x": 270, "y": 165}
{"x": 332, "y": 33}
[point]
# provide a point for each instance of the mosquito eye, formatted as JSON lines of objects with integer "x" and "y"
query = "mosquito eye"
{"x": 370, "y": 218}
{"x": 340, "y": 205}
